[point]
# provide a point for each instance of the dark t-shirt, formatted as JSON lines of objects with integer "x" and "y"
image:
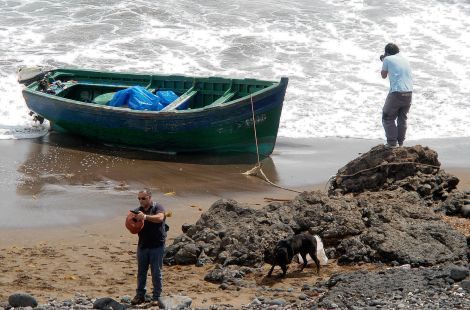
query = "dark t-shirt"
{"x": 153, "y": 235}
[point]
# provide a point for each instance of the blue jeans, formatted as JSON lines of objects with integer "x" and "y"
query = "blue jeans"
{"x": 152, "y": 257}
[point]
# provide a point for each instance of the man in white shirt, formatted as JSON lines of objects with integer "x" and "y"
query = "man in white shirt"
{"x": 398, "y": 102}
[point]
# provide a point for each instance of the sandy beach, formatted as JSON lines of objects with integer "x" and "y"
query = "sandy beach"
{"x": 63, "y": 203}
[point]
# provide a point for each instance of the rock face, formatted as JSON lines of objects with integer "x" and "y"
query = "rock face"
{"x": 229, "y": 234}
{"x": 411, "y": 168}
{"x": 381, "y": 208}
{"x": 396, "y": 288}
{"x": 390, "y": 226}
{"x": 400, "y": 228}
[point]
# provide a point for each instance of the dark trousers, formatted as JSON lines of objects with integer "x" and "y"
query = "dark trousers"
{"x": 394, "y": 116}
{"x": 153, "y": 258}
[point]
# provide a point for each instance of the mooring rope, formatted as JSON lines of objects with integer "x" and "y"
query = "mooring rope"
{"x": 258, "y": 170}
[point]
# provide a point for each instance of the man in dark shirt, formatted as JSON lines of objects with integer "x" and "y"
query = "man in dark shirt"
{"x": 151, "y": 246}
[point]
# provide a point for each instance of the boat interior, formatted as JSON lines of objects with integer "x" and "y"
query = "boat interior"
{"x": 193, "y": 93}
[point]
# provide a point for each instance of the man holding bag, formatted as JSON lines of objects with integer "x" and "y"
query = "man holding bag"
{"x": 151, "y": 245}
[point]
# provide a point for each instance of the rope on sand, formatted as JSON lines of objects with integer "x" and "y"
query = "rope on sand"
{"x": 258, "y": 170}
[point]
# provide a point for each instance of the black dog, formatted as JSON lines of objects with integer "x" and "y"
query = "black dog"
{"x": 286, "y": 249}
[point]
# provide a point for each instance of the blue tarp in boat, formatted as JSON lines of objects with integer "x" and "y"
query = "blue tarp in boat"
{"x": 139, "y": 98}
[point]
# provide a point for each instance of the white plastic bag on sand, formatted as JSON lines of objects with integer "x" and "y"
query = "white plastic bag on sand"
{"x": 321, "y": 255}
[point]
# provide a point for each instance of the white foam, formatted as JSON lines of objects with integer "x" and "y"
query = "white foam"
{"x": 329, "y": 50}
{"x": 15, "y": 122}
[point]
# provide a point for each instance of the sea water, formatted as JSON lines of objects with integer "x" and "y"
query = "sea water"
{"x": 329, "y": 49}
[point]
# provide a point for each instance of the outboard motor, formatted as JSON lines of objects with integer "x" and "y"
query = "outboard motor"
{"x": 28, "y": 75}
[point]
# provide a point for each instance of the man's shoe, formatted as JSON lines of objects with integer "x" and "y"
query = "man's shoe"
{"x": 137, "y": 300}
{"x": 389, "y": 146}
{"x": 155, "y": 302}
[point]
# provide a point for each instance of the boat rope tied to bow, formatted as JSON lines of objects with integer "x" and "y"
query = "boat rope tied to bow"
{"x": 258, "y": 170}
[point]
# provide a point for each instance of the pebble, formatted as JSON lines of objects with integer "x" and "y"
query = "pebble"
{"x": 277, "y": 302}
{"x": 303, "y": 297}
{"x": 22, "y": 300}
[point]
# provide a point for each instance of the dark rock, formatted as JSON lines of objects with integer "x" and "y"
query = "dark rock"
{"x": 453, "y": 204}
{"x": 107, "y": 303}
{"x": 185, "y": 227}
{"x": 458, "y": 273}
{"x": 222, "y": 274}
{"x": 22, "y": 300}
{"x": 415, "y": 169}
{"x": 465, "y": 284}
{"x": 187, "y": 254}
{"x": 203, "y": 259}
{"x": 389, "y": 226}
{"x": 466, "y": 211}
{"x": 393, "y": 289}
{"x": 276, "y": 302}
{"x": 387, "y": 220}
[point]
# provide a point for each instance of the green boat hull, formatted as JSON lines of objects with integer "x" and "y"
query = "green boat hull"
{"x": 210, "y": 124}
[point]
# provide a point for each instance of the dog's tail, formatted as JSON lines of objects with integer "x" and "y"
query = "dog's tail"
{"x": 321, "y": 255}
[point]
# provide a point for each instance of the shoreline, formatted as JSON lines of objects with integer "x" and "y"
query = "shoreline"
{"x": 59, "y": 181}
{"x": 95, "y": 255}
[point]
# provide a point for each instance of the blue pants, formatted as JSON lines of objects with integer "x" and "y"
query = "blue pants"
{"x": 152, "y": 257}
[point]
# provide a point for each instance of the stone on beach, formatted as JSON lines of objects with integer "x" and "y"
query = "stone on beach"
{"x": 458, "y": 273}
{"x": 175, "y": 302}
{"x": 22, "y": 300}
{"x": 107, "y": 303}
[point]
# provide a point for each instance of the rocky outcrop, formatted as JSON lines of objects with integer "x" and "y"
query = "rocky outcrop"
{"x": 414, "y": 169}
{"x": 395, "y": 288}
{"x": 391, "y": 227}
{"x": 230, "y": 234}
{"x": 381, "y": 207}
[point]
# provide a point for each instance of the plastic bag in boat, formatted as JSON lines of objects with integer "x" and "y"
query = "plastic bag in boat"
{"x": 166, "y": 97}
{"x": 136, "y": 98}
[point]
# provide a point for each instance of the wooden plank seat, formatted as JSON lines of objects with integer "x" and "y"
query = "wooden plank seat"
{"x": 225, "y": 97}
{"x": 181, "y": 100}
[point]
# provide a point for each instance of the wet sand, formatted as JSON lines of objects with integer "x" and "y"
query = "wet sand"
{"x": 63, "y": 202}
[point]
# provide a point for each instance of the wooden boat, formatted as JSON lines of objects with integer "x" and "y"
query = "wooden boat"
{"x": 211, "y": 114}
